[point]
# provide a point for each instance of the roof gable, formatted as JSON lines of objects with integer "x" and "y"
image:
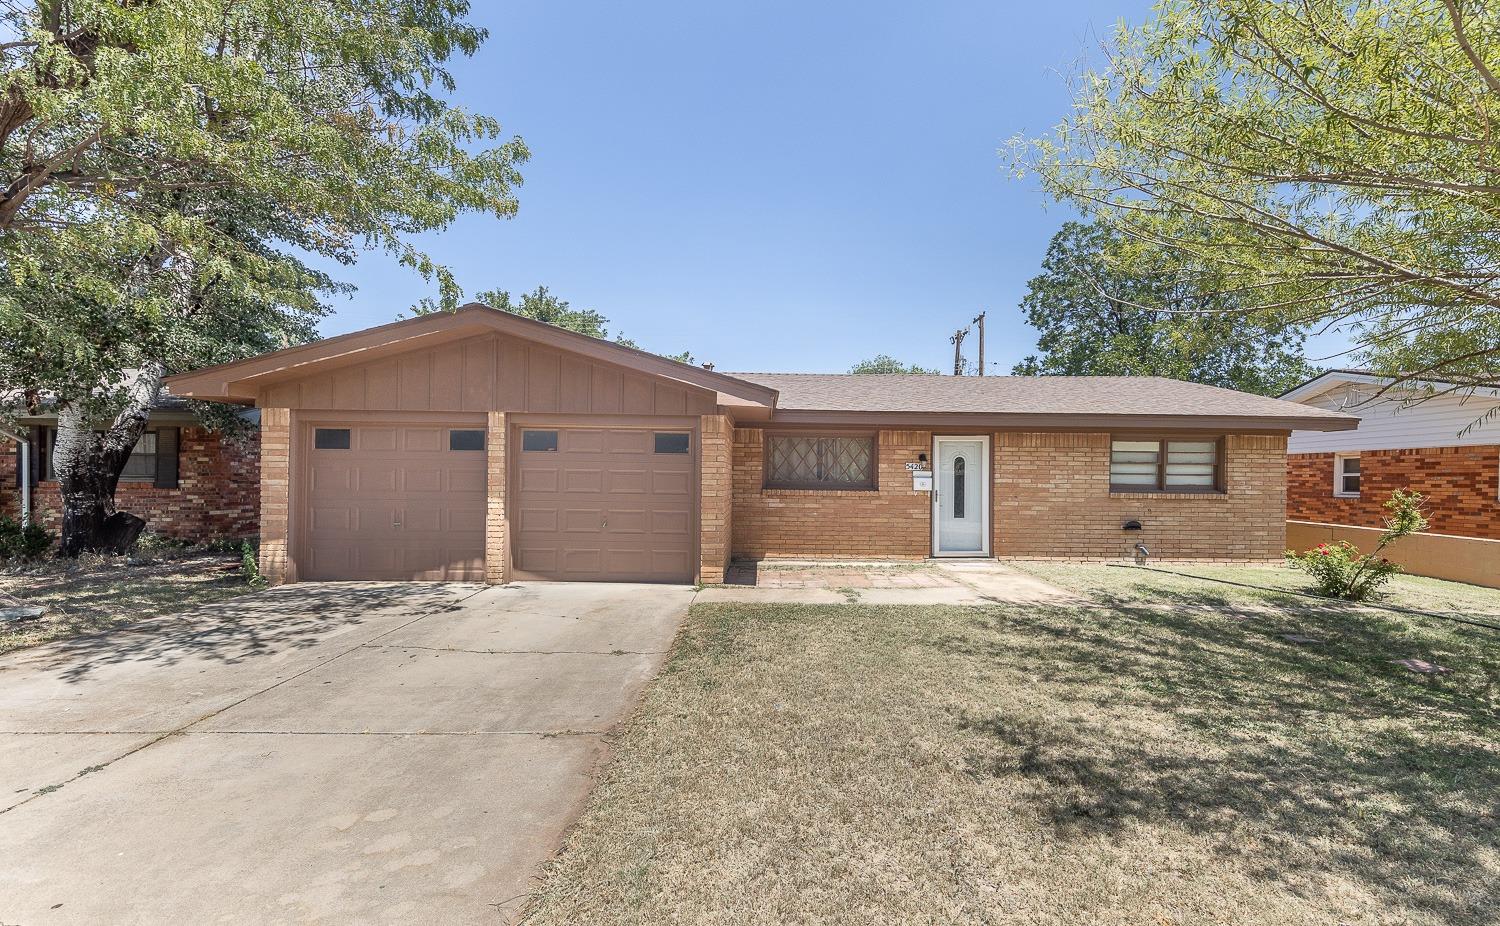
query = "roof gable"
{"x": 243, "y": 381}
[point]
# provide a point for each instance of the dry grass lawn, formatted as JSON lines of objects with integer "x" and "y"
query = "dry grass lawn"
{"x": 1161, "y": 756}
{"x": 97, "y": 593}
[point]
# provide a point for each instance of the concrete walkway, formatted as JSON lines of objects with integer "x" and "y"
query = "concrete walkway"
{"x": 338, "y": 753}
{"x": 943, "y": 582}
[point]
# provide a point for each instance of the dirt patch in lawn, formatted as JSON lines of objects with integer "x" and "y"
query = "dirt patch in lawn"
{"x": 1143, "y": 758}
{"x": 96, "y": 593}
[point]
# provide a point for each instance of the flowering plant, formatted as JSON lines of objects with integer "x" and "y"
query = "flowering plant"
{"x": 1342, "y": 571}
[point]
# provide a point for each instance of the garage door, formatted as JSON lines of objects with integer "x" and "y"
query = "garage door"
{"x": 603, "y": 504}
{"x": 395, "y": 502}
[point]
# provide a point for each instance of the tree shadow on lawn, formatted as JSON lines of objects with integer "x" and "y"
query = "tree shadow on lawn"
{"x": 1300, "y": 758}
{"x": 280, "y": 619}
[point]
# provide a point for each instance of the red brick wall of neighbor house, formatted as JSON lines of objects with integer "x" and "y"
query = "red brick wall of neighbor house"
{"x": 1462, "y": 485}
{"x": 217, "y": 494}
{"x": 1053, "y": 501}
{"x": 891, "y": 522}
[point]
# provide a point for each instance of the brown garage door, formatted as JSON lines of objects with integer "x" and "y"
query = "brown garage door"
{"x": 389, "y": 501}
{"x": 603, "y": 504}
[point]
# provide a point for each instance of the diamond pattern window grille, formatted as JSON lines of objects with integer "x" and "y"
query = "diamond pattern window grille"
{"x": 820, "y": 462}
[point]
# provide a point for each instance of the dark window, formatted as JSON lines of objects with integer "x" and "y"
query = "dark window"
{"x": 465, "y": 440}
{"x": 671, "y": 443}
{"x": 140, "y": 467}
{"x": 1165, "y": 465}
{"x": 538, "y": 440}
{"x": 794, "y": 461}
{"x": 958, "y": 487}
{"x": 331, "y": 438}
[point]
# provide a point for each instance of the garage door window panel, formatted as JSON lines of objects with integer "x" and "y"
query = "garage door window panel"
{"x": 331, "y": 438}
{"x": 539, "y": 441}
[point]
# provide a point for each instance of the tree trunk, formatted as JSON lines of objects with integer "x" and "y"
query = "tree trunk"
{"x": 88, "y": 463}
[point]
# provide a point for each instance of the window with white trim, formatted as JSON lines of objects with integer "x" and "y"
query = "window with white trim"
{"x": 1346, "y": 475}
{"x": 1187, "y": 465}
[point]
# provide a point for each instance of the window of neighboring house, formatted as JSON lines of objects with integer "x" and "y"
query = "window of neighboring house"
{"x": 141, "y": 467}
{"x": 1171, "y": 465}
{"x": 1346, "y": 476}
{"x": 812, "y": 461}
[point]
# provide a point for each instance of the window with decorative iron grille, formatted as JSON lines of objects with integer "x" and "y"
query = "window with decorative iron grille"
{"x": 795, "y": 461}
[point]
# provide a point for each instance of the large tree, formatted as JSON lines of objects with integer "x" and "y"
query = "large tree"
{"x": 165, "y": 168}
{"x": 1104, "y": 306}
{"x": 542, "y": 305}
{"x": 1329, "y": 162}
{"x": 885, "y": 363}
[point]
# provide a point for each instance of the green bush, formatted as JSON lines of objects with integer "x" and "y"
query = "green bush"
{"x": 250, "y": 564}
{"x": 1341, "y": 571}
{"x": 17, "y": 542}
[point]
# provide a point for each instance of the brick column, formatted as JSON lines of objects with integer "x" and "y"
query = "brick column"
{"x": 716, "y": 496}
{"x": 496, "y": 527}
{"x": 275, "y": 488}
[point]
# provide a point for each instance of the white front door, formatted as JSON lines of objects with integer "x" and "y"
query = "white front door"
{"x": 961, "y": 501}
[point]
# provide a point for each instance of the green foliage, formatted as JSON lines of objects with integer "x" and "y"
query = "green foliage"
{"x": 166, "y": 168}
{"x": 1342, "y": 571}
{"x": 1327, "y": 162}
{"x": 250, "y": 564}
{"x": 885, "y": 363}
{"x": 541, "y": 305}
{"x": 1105, "y": 307}
{"x": 17, "y": 542}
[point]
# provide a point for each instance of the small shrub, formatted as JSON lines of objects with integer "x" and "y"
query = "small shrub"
{"x": 250, "y": 564}
{"x": 1342, "y": 571}
{"x": 29, "y": 542}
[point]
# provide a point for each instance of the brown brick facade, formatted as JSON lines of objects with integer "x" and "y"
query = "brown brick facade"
{"x": 891, "y": 522}
{"x": 1053, "y": 501}
{"x": 1462, "y": 485}
{"x": 496, "y": 521}
{"x": 275, "y": 487}
{"x": 217, "y": 494}
{"x": 716, "y": 496}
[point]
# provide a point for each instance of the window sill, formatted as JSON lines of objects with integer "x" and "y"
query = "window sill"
{"x": 1158, "y": 493}
{"x": 776, "y": 492}
{"x": 1346, "y": 495}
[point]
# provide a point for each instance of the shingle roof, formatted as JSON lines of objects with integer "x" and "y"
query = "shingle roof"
{"x": 1044, "y": 395}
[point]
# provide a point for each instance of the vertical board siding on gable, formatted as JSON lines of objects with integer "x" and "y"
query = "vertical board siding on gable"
{"x": 489, "y": 373}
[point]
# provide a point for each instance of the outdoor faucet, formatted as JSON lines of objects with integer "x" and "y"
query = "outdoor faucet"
{"x": 1142, "y": 554}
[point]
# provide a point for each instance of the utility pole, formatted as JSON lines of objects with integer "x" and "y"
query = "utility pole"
{"x": 980, "y": 322}
{"x": 958, "y": 354}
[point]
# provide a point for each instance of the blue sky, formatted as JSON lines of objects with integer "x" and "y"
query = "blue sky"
{"x": 772, "y": 186}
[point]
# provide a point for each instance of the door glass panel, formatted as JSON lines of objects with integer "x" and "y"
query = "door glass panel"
{"x": 958, "y": 487}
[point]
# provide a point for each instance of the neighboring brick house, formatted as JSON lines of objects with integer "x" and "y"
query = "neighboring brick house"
{"x": 484, "y": 446}
{"x": 1427, "y": 446}
{"x": 183, "y": 479}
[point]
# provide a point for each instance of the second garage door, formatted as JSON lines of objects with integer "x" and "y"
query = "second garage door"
{"x": 603, "y": 504}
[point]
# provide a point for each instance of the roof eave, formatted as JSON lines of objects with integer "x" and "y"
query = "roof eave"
{"x": 1068, "y": 422}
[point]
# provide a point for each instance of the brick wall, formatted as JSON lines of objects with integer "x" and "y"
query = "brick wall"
{"x": 275, "y": 487}
{"x": 716, "y": 503}
{"x": 1462, "y": 485}
{"x": 891, "y": 522}
{"x": 217, "y": 494}
{"x": 496, "y": 522}
{"x": 1052, "y": 500}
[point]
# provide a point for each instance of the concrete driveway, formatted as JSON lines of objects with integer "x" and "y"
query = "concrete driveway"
{"x": 334, "y": 753}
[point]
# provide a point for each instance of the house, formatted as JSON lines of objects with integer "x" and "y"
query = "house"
{"x": 1345, "y": 477}
{"x": 481, "y": 445}
{"x": 185, "y": 480}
